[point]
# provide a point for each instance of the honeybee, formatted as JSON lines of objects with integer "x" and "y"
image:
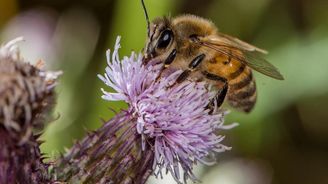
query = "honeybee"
{"x": 194, "y": 45}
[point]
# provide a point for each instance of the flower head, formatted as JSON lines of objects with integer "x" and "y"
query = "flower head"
{"x": 172, "y": 119}
{"x": 25, "y": 90}
{"x": 26, "y": 96}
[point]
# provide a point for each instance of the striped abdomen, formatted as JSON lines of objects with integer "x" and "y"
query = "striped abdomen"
{"x": 241, "y": 85}
{"x": 242, "y": 89}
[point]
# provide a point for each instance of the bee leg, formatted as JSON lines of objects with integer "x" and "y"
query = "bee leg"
{"x": 167, "y": 62}
{"x": 221, "y": 94}
{"x": 192, "y": 66}
{"x": 170, "y": 58}
{"x": 183, "y": 76}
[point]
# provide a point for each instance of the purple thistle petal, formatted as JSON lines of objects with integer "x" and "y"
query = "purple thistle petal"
{"x": 171, "y": 120}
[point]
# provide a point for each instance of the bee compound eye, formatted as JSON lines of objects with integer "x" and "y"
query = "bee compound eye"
{"x": 165, "y": 39}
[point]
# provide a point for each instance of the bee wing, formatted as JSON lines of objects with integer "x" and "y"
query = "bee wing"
{"x": 248, "y": 54}
{"x": 239, "y": 43}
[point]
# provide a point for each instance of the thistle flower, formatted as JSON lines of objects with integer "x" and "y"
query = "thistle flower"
{"x": 26, "y": 93}
{"x": 170, "y": 118}
{"x": 166, "y": 127}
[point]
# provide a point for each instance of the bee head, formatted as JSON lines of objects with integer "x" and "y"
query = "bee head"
{"x": 160, "y": 39}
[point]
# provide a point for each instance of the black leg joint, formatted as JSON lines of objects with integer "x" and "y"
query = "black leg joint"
{"x": 196, "y": 61}
{"x": 218, "y": 99}
{"x": 170, "y": 58}
{"x": 183, "y": 76}
{"x": 221, "y": 95}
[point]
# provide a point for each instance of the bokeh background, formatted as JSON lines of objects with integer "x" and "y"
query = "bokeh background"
{"x": 283, "y": 141}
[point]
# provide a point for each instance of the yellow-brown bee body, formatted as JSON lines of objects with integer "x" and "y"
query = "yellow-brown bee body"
{"x": 225, "y": 58}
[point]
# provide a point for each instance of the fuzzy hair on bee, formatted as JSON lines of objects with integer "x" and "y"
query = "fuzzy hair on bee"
{"x": 194, "y": 44}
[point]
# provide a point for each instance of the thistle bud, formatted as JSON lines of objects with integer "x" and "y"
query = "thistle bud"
{"x": 26, "y": 94}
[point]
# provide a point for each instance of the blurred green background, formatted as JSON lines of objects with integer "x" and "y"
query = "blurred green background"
{"x": 283, "y": 141}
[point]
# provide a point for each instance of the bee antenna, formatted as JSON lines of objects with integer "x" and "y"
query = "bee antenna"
{"x": 147, "y": 18}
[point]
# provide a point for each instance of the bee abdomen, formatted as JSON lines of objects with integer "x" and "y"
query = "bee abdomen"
{"x": 242, "y": 91}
